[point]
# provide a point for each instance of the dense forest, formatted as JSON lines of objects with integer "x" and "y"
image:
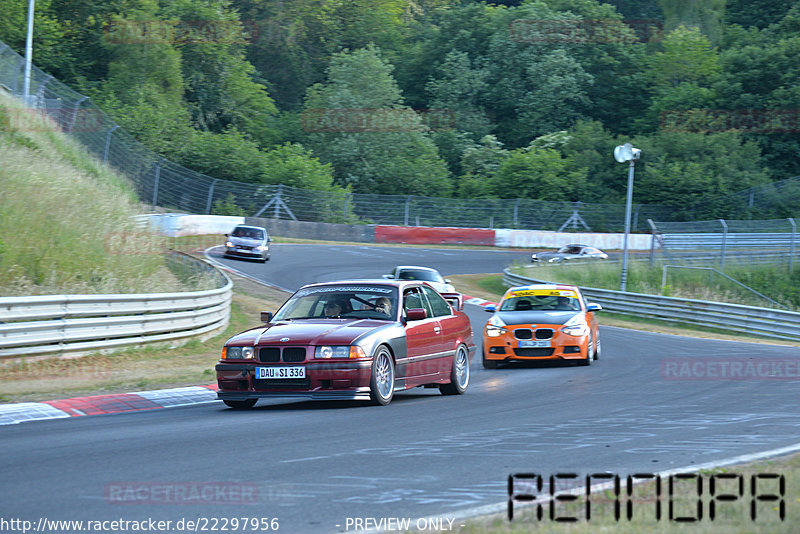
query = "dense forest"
{"x": 454, "y": 98}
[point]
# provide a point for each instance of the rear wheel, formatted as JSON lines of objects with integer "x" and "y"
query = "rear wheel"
{"x": 459, "y": 374}
{"x": 242, "y": 404}
{"x": 381, "y": 386}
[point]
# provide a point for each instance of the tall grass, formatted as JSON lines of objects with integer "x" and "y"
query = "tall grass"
{"x": 60, "y": 213}
{"x": 774, "y": 281}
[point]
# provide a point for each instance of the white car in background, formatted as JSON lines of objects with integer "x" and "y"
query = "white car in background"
{"x": 427, "y": 274}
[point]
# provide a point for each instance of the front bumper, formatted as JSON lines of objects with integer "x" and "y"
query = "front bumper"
{"x": 562, "y": 347}
{"x": 252, "y": 254}
{"x": 323, "y": 380}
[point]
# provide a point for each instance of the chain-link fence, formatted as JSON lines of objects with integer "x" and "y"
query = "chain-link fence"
{"x": 163, "y": 183}
{"x": 724, "y": 241}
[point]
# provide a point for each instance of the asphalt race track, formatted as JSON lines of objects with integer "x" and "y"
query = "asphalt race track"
{"x": 313, "y": 465}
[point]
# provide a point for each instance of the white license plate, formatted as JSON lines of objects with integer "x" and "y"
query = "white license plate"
{"x": 535, "y": 343}
{"x": 281, "y": 372}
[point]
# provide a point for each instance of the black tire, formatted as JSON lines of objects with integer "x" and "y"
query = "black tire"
{"x": 381, "y": 385}
{"x": 242, "y": 404}
{"x": 598, "y": 349}
{"x": 488, "y": 364}
{"x": 459, "y": 373}
{"x": 589, "y": 353}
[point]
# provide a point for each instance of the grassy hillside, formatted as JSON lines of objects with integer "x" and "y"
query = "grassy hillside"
{"x": 65, "y": 219}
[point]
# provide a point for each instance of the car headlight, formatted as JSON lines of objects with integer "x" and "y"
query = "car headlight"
{"x": 495, "y": 327}
{"x": 576, "y": 326}
{"x": 262, "y": 247}
{"x": 228, "y": 244}
{"x": 238, "y": 353}
{"x": 339, "y": 351}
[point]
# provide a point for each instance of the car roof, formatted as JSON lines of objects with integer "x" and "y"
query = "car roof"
{"x": 253, "y": 227}
{"x": 369, "y": 281}
{"x": 543, "y": 286}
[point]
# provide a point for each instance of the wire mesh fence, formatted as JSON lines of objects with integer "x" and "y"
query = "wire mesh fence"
{"x": 162, "y": 183}
{"x": 725, "y": 241}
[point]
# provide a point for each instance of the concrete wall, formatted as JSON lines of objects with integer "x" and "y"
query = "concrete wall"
{"x": 316, "y": 230}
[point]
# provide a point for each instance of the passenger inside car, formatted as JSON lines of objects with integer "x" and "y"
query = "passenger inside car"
{"x": 384, "y": 305}
{"x": 565, "y": 303}
{"x": 332, "y": 309}
{"x": 523, "y": 305}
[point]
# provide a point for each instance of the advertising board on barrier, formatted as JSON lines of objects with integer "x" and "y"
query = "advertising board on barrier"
{"x": 537, "y": 238}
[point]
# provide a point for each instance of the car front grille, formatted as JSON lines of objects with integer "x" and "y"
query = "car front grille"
{"x": 282, "y": 383}
{"x": 539, "y": 333}
{"x": 269, "y": 354}
{"x": 294, "y": 354}
{"x": 523, "y": 333}
{"x": 273, "y": 354}
{"x": 541, "y": 352}
{"x": 544, "y": 333}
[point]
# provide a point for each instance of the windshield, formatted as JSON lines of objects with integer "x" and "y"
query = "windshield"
{"x": 570, "y": 249}
{"x": 250, "y": 233}
{"x": 541, "y": 300}
{"x": 420, "y": 274}
{"x": 340, "y": 301}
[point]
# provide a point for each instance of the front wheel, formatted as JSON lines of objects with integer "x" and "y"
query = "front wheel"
{"x": 381, "y": 386}
{"x": 459, "y": 374}
{"x": 589, "y": 353}
{"x": 241, "y": 405}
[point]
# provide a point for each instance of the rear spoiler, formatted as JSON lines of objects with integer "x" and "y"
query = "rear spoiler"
{"x": 456, "y": 300}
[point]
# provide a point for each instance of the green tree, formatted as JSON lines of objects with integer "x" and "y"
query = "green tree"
{"x": 537, "y": 173}
{"x": 356, "y": 121}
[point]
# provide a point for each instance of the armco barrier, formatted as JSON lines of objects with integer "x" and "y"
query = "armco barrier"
{"x": 730, "y": 317}
{"x": 56, "y": 324}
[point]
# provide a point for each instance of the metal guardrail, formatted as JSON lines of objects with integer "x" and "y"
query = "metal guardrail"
{"x": 770, "y": 322}
{"x": 48, "y": 324}
{"x": 764, "y": 240}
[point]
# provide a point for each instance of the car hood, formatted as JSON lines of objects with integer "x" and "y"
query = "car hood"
{"x": 309, "y": 332}
{"x": 536, "y": 317}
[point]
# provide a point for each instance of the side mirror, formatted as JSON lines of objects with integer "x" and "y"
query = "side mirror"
{"x": 448, "y": 280}
{"x": 491, "y": 308}
{"x": 388, "y": 276}
{"x": 269, "y": 240}
{"x": 416, "y": 314}
{"x": 266, "y": 316}
{"x": 227, "y": 235}
{"x": 593, "y": 307}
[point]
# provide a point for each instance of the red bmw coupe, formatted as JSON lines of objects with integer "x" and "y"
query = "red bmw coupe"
{"x": 357, "y": 339}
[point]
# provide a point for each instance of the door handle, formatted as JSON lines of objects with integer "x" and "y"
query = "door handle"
{"x": 436, "y": 329}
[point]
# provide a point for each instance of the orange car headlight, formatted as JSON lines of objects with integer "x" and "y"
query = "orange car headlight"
{"x": 495, "y": 327}
{"x": 576, "y": 326}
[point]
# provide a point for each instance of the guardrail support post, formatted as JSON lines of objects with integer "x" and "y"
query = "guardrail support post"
{"x": 108, "y": 143}
{"x": 75, "y": 114}
{"x": 408, "y": 210}
{"x": 155, "y": 181}
{"x": 210, "y": 195}
{"x": 653, "y": 231}
{"x": 791, "y": 244}
{"x": 724, "y": 240}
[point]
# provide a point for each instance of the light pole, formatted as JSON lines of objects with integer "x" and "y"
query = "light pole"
{"x": 28, "y": 53}
{"x": 622, "y": 154}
